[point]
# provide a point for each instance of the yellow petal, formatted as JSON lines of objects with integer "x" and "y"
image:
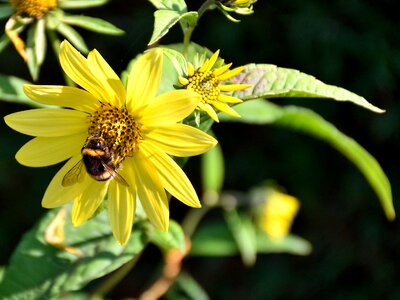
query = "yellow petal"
{"x": 109, "y": 80}
{"x": 128, "y": 174}
{"x": 207, "y": 66}
{"x": 151, "y": 191}
{"x": 181, "y": 140}
{"x": 233, "y": 87}
{"x": 48, "y": 122}
{"x": 170, "y": 107}
{"x": 221, "y": 70}
{"x": 144, "y": 79}
{"x": 76, "y": 67}
{"x": 211, "y": 112}
{"x": 85, "y": 205}
{"x": 46, "y": 151}
{"x": 225, "y": 108}
{"x": 56, "y": 195}
{"x": 174, "y": 179}
{"x": 190, "y": 69}
{"x": 121, "y": 211}
{"x": 228, "y": 99}
{"x": 231, "y": 73}
{"x": 182, "y": 80}
{"x": 65, "y": 96}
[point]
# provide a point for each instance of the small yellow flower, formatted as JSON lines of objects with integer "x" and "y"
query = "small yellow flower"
{"x": 208, "y": 82}
{"x": 277, "y": 214}
{"x": 117, "y": 141}
{"x": 33, "y": 8}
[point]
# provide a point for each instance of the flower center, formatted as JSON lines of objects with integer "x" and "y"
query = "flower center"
{"x": 120, "y": 132}
{"x": 205, "y": 84}
{"x": 33, "y": 8}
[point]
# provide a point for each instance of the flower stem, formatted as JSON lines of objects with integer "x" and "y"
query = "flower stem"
{"x": 188, "y": 32}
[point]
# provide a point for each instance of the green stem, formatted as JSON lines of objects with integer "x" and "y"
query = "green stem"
{"x": 188, "y": 32}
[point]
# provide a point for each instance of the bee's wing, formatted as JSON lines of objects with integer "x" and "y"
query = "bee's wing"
{"x": 74, "y": 175}
{"x": 115, "y": 175}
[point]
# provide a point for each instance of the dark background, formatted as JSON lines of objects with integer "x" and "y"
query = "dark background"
{"x": 353, "y": 44}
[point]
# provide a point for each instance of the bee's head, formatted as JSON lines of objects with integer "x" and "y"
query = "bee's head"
{"x": 94, "y": 142}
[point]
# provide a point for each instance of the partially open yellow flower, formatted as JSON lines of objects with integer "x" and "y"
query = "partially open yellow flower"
{"x": 208, "y": 82}
{"x": 277, "y": 214}
{"x": 33, "y": 8}
{"x": 117, "y": 141}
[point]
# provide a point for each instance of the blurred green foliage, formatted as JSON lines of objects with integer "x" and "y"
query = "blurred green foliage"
{"x": 353, "y": 44}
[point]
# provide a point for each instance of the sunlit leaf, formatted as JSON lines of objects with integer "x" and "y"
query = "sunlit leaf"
{"x": 173, "y": 238}
{"x": 307, "y": 121}
{"x": 291, "y": 244}
{"x": 78, "y": 4}
{"x": 73, "y": 36}
{"x": 177, "y": 5}
{"x": 270, "y": 81}
{"x": 93, "y": 24}
{"x": 165, "y": 19}
{"x": 40, "y": 271}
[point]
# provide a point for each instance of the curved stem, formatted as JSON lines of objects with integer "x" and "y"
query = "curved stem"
{"x": 188, "y": 32}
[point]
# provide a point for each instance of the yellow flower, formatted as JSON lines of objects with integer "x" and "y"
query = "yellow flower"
{"x": 33, "y": 8}
{"x": 117, "y": 141}
{"x": 208, "y": 82}
{"x": 277, "y": 214}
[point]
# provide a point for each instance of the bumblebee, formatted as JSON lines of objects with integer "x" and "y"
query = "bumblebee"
{"x": 98, "y": 161}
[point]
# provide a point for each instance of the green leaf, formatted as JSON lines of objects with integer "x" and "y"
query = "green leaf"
{"x": 243, "y": 232}
{"x": 92, "y": 24}
{"x": 291, "y": 244}
{"x": 212, "y": 170}
{"x": 4, "y": 41}
{"x": 177, "y": 60}
{"x": 270, "y": 81}
{"x": 215, "y": 239}
{"x": 190, "y": 286}
{"x": 78, "y": 4}
{"x": 73, "y": 36}
{"x": 165, "y": 19}
{"x": 11, "y": 90}
{"x": 307, "y": 121}
{"x": 6, "y": 10}
{"x": 36, "y": 47}
{"x": 176, "y": 5}
{"x": 40, "y": 271}
{"x": 174, "y": 238}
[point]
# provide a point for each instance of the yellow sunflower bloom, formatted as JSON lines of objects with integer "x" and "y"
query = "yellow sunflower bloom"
{"x": 117, "y": 141}
{"x": 208, "y": 82}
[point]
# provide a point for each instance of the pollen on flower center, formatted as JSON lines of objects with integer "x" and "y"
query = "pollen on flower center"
{"x": 33, "y": 8}
{"x": 117, "y": 127}
{"x": 205, "y": 84}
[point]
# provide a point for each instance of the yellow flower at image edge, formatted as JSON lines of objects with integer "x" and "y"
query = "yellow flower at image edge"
{"x": 206, "y": 81}
{"x": 117, "y": 141}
